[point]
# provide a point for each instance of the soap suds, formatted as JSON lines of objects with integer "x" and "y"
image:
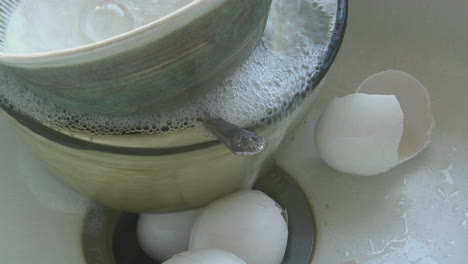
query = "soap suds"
{"x": 294, "y": 44}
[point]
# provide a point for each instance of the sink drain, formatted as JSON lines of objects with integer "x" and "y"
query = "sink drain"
{"x": 109, "y": 237}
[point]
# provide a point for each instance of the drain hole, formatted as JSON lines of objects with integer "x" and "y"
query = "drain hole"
{"x": 109, "y": 237}
{"x": 125, "y": 246}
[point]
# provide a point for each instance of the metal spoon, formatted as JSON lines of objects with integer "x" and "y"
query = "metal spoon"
{"x": 240, "y": 141}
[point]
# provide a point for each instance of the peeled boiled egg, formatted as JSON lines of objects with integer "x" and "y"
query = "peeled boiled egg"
{"x": 388, "y": 121}
{"x": 205, "y": 256}
{"x": 360, "y": 133}
{"x": 248, "y": 224}
{"x": 161, "y": 236}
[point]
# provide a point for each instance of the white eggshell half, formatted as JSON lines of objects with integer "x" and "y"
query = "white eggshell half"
{"x": 162, "y": 236}
{"x": 205, "y": 256}
{"x": 248, "y": 224}
{"x": 360, "y": 133}
{"x": 416, "y": 105}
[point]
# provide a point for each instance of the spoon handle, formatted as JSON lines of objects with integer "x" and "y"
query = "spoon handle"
{"x": 240, "y": 141}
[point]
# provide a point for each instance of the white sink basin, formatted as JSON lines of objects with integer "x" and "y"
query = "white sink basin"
{"x": 416, "y": 213}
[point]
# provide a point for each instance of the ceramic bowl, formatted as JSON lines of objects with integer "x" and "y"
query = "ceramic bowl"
{"x": 137, "y": 173}
{"x": 149, "y": 69}
{"x": 152, "y": 179}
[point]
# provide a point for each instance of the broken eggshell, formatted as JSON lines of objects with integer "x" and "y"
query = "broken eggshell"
{"x": 248, "y": 224}
{"x": 387, "y": 122}
{"x": 415, "y": 102}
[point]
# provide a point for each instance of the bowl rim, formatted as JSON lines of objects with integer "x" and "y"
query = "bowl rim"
{"x": 60, "y": 138}
{"x": 183, "y": 16}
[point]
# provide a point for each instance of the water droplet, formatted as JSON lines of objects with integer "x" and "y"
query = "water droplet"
{"x": 452, "y": 243}
{"x": 447, "y": 173}
{"x": 107, "y": 19}
{"x": 442, "y": 194}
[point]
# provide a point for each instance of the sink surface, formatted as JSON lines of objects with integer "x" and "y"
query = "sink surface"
{"x": 415, "y": 213}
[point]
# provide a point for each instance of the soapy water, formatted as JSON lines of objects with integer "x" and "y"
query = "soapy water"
{"x": 395, "y": 242}
{"x": 294, "y": 44}
{"x": 447, "y": 173}
{"x": 414, "y": 251}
